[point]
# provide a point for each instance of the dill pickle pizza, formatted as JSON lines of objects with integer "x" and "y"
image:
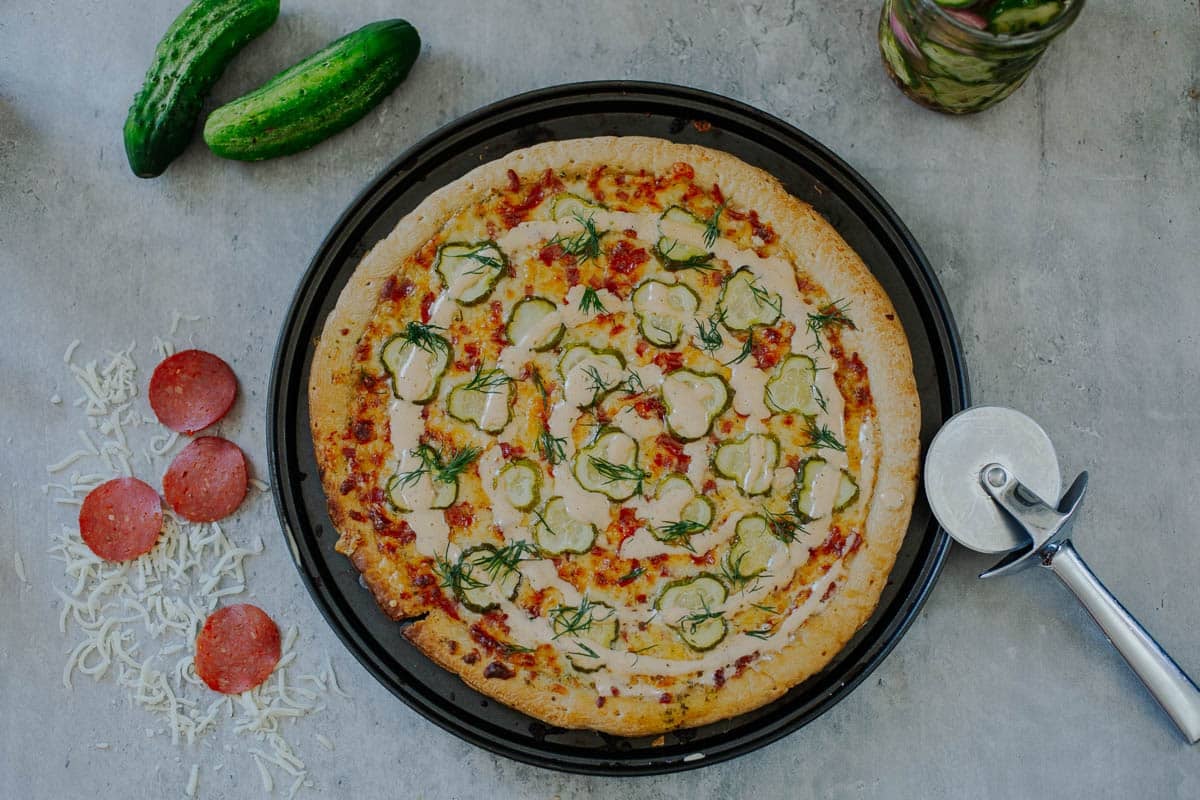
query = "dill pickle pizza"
{"x": 627, "y": 431}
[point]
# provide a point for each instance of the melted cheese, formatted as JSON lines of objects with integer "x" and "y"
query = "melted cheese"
{"x": 621, "y": 669}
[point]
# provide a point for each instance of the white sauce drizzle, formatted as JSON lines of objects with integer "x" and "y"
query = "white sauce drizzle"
{"x": 747, "y": 382}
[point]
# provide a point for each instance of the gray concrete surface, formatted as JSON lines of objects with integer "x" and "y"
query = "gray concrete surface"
{"x": 1063, "y": 225}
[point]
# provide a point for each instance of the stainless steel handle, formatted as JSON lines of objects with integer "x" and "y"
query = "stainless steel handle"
{"x": 1173, "y": 689}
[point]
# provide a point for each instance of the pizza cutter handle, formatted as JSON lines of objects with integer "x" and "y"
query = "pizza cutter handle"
{"x": 1171, "y": 687}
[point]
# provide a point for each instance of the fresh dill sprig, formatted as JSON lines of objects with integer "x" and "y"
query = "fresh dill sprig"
{"x": 511, "y": 648}
{"x": 692, "y": 622}
{"x": 584, "y": 651}
{"x": 822, "y": 438}
{"x": 768, "y": 609}
{"x": 763, "y": 297}
{"x": 820, "y": 397}
{"x": 784, "y": 525}
{"x": 731, "y": 569}
{"x": 679, "y": 533}
{"x": 481, "y": 257}
{"x": 747, "y": 348}
{"x": 632, "y": 575}
{"x": 573, "y": 620}
{"x": 435, "y": 463}
{"x": 552, "y": 448}
{"x": 590, "y": 303}
{"x": 710, "y": 337}
{"x": 712, "y": 231}
{"x": 763, "y": 633}
{"x": 455, "y": 575}
{"x": 613, "y": 473}
{"x": 585, "y": 245}
{"x": 536, "y": 377}
{"x": 424, "y": 338}
{"x": 597, "y": 384}
{"x": 488, "y": 381}
{"x": 830, "y": 316}
{"x": 500, "y": 562}
{"x": 632, "y": 385}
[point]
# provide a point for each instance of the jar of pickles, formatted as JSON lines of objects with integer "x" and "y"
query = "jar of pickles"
{"x": 962, "y": 56}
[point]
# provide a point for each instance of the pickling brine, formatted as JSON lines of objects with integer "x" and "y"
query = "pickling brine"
{"x": 962, "y": 56}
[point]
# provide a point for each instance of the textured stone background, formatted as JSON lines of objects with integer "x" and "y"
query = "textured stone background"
{"x": 1063, "y": 225}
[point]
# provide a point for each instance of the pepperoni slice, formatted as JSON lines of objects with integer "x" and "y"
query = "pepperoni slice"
{"x": 237, "y": 648}
{"x": 191, "y": 390}
{"x": 121, "y": 519}
{"x": 207, "y": 480}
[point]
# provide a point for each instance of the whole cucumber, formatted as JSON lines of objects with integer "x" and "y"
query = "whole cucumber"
{"x": 192, "y": 54}
{"x": 323, "y": 94}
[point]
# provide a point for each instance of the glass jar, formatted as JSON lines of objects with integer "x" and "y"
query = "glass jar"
{"x": 944, "y": 60}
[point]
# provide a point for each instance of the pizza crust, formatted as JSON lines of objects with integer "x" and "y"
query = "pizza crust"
{"x": 879, "y": 340}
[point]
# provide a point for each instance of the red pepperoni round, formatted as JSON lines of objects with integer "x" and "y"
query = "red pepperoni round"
{"x": 237, "y": 648}
{"x": 191, "y": 390}
{"x": 121, "y": 519}
{"x": 207, "y": 480}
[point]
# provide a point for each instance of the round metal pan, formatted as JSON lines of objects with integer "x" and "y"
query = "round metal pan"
{"x": 810, "y": 172}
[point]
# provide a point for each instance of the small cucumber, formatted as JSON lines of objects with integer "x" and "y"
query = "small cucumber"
{"x": 480, "y": 579}
{"x": 469, "y": 270}
{"x": 847, "y": 492}
{"x": 323, "y": 94}
{"x": 804, "y": 499}
{"x": 585, "y": 624}
{"x": 1015, "y": 17}
{"x": 485, "y": 401}
{"x": 753, "y": 548}
{"x": 189, "y": 59}
{"x": 693, "y": 601}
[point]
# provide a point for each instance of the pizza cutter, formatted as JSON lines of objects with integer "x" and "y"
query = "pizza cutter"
{"x": 986, "y": 473}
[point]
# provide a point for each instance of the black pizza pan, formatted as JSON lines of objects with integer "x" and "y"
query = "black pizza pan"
{"x": 809, "y": 171}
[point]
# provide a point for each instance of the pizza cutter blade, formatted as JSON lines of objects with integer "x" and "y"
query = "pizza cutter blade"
{"x": 986, "y": 473}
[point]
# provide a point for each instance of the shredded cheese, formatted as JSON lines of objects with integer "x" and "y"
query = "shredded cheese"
{"x": 137, "y": 621}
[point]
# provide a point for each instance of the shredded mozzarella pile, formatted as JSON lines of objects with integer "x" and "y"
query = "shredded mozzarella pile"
{"x": 137, "y": 621}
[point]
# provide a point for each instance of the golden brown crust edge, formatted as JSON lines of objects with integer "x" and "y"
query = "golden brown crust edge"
{"x": 880, "y": 341}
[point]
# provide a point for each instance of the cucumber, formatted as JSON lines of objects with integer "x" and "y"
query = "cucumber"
{"x": 753, "y": 548}
{"x": 750, "y": 462}
{"x": 1015, "y": 17}
{"x": 955, "y": 3}
{"x": 792, "y": 388}
{"x": 744, "y": 304}
{"x": 477, "y": 586}
{"x": 533, "y": 323}
{"x": 558, "y": 532}
{"x": 847, "y": 492}
{"x": 415, "y": 360}
{"x": 608, "y": 465}
{"x": 521, "y": 482}
{"x": 803, "y": 498}
{"x": 693, "y": 401}
{"x": 470, "y": 270}
{"x": 701, "y": 627}
{"x": 697, "y": 510}
{"x": 675, "y": 253}
{"x": 569, "y": 206}
{"x": 323, "y": 94}
{"x": 189, "y": 59}
{"x": 662, "y": 309}
{"x": 959, "y": 66}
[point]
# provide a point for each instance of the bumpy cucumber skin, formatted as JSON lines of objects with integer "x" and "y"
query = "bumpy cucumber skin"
{"x": 323, "y": 94}
{"x": 189, "y": 59}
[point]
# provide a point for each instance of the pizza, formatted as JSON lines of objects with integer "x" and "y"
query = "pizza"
{"x": 626, "y": 433}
